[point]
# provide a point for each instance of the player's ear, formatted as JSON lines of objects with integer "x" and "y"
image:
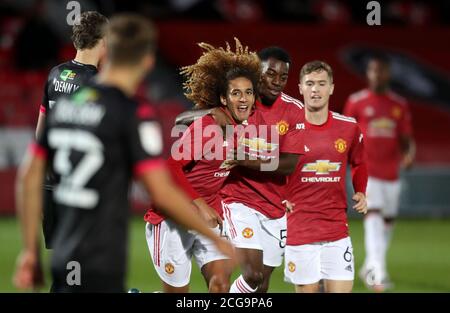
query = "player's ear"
{"x": 103, "y": 48}
{"x": 300, "y": 88}
{"x": 223, "y": 100}
{"x": 332, "y": 89}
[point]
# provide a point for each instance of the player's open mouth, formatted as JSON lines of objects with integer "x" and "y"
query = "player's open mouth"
{"x": 242, "y": 108}
{"x": 316, "y": 97}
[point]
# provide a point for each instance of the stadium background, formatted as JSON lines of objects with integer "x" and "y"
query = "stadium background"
{"x": 34, "y": 36}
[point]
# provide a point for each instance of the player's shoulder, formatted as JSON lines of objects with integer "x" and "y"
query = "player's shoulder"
{"x": 112, "y": 98}
{"x": 396, "y": 98}
{"x": 203, "y": 121}
{"x": 359, "y": 95}
{"x": 291, "y": 101}
{"x": 340, "y": 118}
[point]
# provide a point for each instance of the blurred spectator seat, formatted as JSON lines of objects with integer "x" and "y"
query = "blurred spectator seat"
{"x": 20, "y": 98}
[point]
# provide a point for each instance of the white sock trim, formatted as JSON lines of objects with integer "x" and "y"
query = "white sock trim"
{"x": 241, "y": 286}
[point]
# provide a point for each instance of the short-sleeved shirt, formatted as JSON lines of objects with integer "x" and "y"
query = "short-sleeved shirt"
{"x": 264, "y": 191}
{"x": 65, "y": 79}
{"x": 201, "y": 153}
{"x": 383, "y": 119}
{"x": 96, "y": 139}
{"x": 317, "y": 187}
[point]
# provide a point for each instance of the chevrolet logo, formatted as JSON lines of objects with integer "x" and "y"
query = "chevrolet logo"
{"x": 322, "y": 167}
{"x": 258, "y": 144}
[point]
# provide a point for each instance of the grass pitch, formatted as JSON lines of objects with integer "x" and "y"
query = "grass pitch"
{"x": 418, "y": 261}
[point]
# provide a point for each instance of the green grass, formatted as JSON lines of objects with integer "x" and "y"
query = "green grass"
{"x": 419, "y": 259}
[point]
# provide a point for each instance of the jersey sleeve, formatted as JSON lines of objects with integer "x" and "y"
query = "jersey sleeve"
{"x": 44, "y": 108}
{"x": 39, "y": 147}
{"x": 196, "y": 140}
{"x": 357, "y": 162}
{"x": 293, "y": 140}
{"x": 144, "y": 138}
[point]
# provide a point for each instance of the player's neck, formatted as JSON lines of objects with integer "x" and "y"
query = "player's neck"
{"x": 87, "y": 56}
{"x": 266, "y": 102}
{"x": 316, "y": 117}
{"x": 125, "y": 79}
{"x": 379, "y": 90}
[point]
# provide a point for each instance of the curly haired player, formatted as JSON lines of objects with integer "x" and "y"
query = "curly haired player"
{"x": 224, "y": 79}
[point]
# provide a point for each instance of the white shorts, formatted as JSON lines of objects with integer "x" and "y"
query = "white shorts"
{"x": 384, "y": 195}
{"x": 250, "y": 229}
{"x": 307, "y": 264}
{"x": 171, "y": 248}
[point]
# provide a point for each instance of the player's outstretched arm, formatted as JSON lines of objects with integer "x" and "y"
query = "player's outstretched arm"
{"x": 29, "y": 206}
{"x": 175, "y": 204}
{"x": 286, "y": 163}
{"x": 40, "y": 124}
{"x": 188, "y": 117}
{"x": 408, "y": 147}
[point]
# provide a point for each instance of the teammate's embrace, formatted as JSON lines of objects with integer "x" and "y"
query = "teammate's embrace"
{"x": 95, "y": 140}
{"x": 318, "y": 243}
{"x": 222, "y": 79}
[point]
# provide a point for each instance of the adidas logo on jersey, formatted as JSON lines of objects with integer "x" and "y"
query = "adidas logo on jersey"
{"x": 300, "y": 126}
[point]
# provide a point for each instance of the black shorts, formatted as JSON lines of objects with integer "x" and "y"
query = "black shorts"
{"x": 49, "y": 219}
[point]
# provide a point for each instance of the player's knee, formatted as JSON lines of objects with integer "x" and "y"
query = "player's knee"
{"x": 219, "y": 284}
{"x": 254, "y": 278}
{"x": 372, "y": 212}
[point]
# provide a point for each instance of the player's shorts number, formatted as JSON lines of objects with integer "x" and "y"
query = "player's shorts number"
{"x": 71, "y": 190}
{"x": 283, "y": 238}
{"x": 347, "y": 255}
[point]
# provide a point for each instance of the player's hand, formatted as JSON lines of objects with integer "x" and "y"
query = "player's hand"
{"x": 361, "y": 203}
{"x": 288, "y": 205}
{"x": 407, "y": 161}
{"x": 207, "y": 213}
{"x": 229, "y": 164}
{"x": 221, "y": 118}
{"x": 25, "y": 270}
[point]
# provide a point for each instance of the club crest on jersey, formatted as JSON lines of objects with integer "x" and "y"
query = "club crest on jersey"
{"x": 396, "y": 112}
{"x": 322, "y": 167}
{"x": 340, "y": 145}
{"x": 169, "y": 268}
{"x": 282, "y": 127}
{"x": 291, "y": 267}
{"x": 247, "y": 232}
{"x": 369, "y": 111}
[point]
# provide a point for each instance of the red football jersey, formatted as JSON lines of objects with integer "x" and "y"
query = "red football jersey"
{"x": 317, "y": 187}
{"x": 383, "y": 119}
{"x": 264, "y": 190}
{"x": 200, "y": 164}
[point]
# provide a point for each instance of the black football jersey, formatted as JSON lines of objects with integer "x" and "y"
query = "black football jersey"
{"x": 62, "y": 80}
{"x": 65, "y": 79}
{"x": 96, "y": 139}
